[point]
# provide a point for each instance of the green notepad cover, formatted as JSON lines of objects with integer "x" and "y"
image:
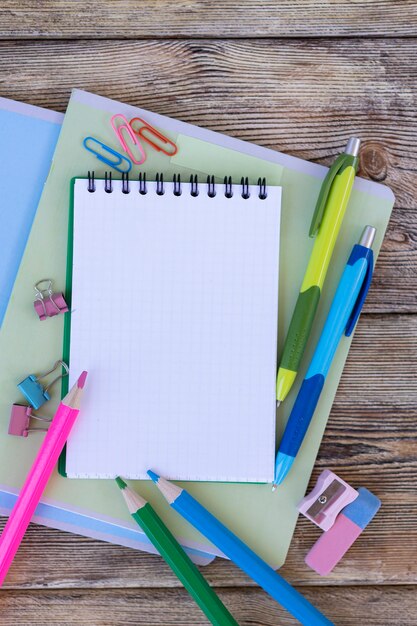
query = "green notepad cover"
{"x": 264, "y": 520}
{"x": 67, "y": 319}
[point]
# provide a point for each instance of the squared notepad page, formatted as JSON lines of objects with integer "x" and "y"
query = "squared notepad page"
{"x": 174, "y": 315}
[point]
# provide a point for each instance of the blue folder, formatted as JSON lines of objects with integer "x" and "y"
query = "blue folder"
{"x": 28, "y": 136}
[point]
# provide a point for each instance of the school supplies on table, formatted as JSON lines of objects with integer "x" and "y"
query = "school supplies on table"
{"x": 185, "y": 348}
{"x": 344, "y": 313}
{"x": 22, "y": 176}
{"x": 266, "y": 523}
{"x": 39, "y": 475}
{"x": 330, "y": 495}
{"x": 236, "y": 550}
{"x": 325, "y": 226}
{"x": 330, "y": 548}
{"x": 47, "y": 303}
{"x": 169, "y": 548}
{"x": 35, "y": 393}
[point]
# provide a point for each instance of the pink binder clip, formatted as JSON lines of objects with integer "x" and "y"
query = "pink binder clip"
{"x": 19, "y": 424}
{"x": 164, "y": 142}
{"x": 330, "y": 495}
{"x": 48, "y": 304}
{"x": 125, "y": 126}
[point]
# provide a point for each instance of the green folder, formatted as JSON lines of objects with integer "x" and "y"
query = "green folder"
{"x": 264, "y": 520}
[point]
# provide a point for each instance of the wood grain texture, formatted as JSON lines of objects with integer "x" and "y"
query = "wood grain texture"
{"x": 394, "y": 285}
{"x": 302, "y": 97}
{"x": 374, "y": 606}
{"x": 206, "y": 18}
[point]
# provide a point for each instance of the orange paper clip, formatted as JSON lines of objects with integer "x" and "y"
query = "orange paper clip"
{"x": 125, "y": 126}
{"x": 152, "y": 131}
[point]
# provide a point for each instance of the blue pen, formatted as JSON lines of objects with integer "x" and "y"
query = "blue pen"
{"x": 240, "y": 553}
{"x": 343, "y": 315}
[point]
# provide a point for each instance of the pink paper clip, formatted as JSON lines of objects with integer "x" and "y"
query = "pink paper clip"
{"x": 125, "y": 126}
{"x": 19, "y": 424}
{"x": 330, "y": 495}
{"x": 152, "y": 131}
{"x": 47, "y": 303}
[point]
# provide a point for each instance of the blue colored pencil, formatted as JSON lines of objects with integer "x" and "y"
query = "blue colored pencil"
{"x": 240, "y": 553}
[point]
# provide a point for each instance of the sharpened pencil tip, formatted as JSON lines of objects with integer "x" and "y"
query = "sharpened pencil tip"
{"x": 153, "y": 476}
{"x": 278, "y": 403}
{"x": 121, "y": 483}
{"x": 81, "y": 380}
{"x": 274, "y": 487}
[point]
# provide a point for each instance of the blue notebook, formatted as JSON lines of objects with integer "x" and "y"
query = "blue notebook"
{"x": 28, "y": 136}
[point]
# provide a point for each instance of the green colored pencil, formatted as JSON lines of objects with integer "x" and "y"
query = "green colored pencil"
{"x": 169, "y": 548}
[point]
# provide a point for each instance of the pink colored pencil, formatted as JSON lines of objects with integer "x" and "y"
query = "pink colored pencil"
{"x": 39, "y": 475}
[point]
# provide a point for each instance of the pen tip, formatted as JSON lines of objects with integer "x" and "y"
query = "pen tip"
{"x": 274, "y": 487}
{"x": 81, "y": 380}
{"x": 121, "y": 483}
{"x": 283, "y": 465}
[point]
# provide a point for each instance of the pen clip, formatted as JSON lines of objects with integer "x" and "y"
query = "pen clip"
{"x": 362, "y": 293}
{"x": 324, "y": 192}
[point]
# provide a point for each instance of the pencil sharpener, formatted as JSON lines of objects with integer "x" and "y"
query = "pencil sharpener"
{"x": 330, "y": 495}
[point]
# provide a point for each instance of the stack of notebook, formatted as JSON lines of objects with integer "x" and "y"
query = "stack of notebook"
{"x": 191, "y": 393}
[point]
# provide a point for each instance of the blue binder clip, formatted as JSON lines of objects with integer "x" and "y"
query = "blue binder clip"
{"x": 32, "y": 389}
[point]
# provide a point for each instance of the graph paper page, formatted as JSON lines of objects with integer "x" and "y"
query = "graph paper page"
{"x": 174, "y": 315}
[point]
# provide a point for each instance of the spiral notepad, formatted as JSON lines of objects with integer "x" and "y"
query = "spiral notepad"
{"x": 174, "y": 315}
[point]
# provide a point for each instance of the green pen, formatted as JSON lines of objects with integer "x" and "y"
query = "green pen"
{"x": 325, "y": 226}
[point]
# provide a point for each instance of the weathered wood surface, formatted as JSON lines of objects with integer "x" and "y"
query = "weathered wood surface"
{"x": 107, "y": 19}
{"x": 269, "y": 92}
{"x": 347, "y": 606}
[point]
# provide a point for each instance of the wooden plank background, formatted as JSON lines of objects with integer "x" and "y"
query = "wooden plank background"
{"x": 149, "y": 19}
{"x": 301, "y": 77}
